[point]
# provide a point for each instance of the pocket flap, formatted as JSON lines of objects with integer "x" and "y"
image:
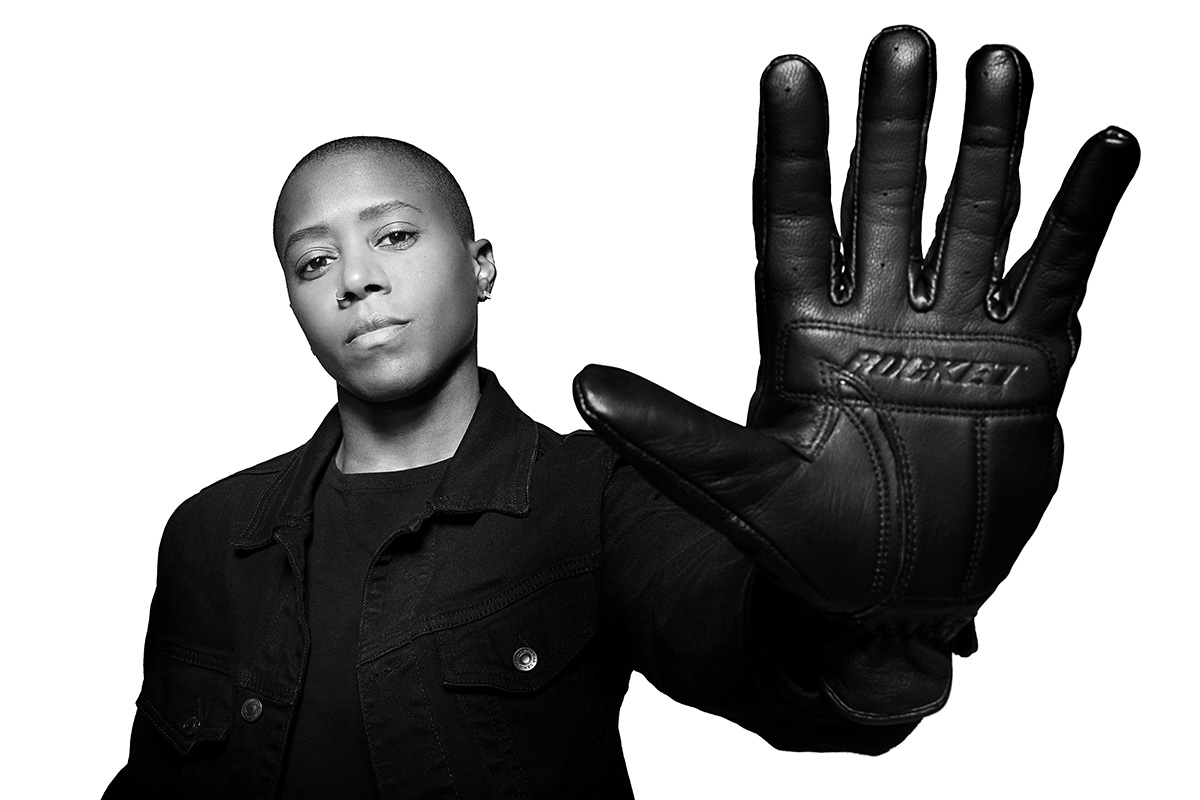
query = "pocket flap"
{"x": 524, "y": 644}
{"x": 189, "y": 698}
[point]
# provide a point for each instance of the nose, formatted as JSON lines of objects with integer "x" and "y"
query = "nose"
{"x": 361, "y": 276}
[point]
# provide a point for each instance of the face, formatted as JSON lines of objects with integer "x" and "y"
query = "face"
{"x": 358, "y": 226}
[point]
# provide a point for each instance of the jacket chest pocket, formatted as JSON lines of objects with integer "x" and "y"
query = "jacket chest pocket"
{"x": 188, "y": 698}
{"x": 222, "y": 739}
{"x": 526, "y": 682}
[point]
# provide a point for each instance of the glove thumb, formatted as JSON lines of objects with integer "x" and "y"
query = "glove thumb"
{"x": 786, "y": 509}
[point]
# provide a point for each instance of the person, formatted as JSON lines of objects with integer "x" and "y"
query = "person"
{"x": 436, "y": 595}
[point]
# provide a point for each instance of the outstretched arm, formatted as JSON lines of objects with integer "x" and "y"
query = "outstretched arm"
{"x": 902, "y": 441}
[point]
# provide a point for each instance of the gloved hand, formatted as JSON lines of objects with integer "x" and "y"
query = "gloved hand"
{"x": 902, "y": 442}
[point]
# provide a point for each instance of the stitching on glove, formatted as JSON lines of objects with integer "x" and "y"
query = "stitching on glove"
{"x": 918, "y": 195}
{"x": 1012, "y": 181}
{"x": 825, "y": 424}
{"x": 981, "y": 503}
{"x": 1031, "y": 259}
{"x": 999, "y": 310}
{"x": 922, "y": 410}
{"x": 891, "y": 431}
{"x": 908, "y": 534}
{"x": 1072, "y": 321}
{"x": 935, "y": 265}
{"x": 837, "y": 267}
{"x": 881, "y": 498}
{"x": 905, "y": 512}
{"x": 850, "y": 264}
{"x": 895, "y": 717}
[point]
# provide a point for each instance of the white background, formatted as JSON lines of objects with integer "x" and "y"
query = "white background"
{"x": 149, "y": 349}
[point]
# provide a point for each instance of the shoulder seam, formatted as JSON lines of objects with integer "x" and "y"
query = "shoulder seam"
{"x": 271, "y": 466}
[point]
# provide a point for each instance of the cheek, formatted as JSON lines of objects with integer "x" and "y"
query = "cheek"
{"x": 314, "y": 322}
{"x": 448, "y": 299}
{"x": 462, "y": 307}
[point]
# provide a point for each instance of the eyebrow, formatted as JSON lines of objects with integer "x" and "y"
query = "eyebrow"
{"x": 367, "y": 214}
{"x": 371, "y": 212}
{"x": 305, "y": 233}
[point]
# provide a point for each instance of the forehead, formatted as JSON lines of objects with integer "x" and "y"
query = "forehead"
{"x": 341, "y": 185}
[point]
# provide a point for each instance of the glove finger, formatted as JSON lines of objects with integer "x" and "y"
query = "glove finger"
{"x": 793, "y": 215}
{"x": 778, "y": 507}
{"x": 795, "y": 236}
{"x": 1049, "y": 281}
{"x": 971, "y": 239}
{"x": 885, "y": 187}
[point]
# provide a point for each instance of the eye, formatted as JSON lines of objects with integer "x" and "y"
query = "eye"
{"x": 397, "y": 239}
{"x": 313, "y": 266}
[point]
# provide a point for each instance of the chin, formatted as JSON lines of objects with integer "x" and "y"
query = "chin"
{"x": 402, "y": 383}
{"x": 377, "y": 390}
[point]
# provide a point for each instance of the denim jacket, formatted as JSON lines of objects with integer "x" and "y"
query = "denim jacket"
{"x": 499, "y": 628}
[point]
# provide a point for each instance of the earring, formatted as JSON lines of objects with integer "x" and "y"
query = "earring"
{"x": 486, "y": 295}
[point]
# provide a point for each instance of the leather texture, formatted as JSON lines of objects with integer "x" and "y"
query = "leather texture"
{"x": 902, "y": 441}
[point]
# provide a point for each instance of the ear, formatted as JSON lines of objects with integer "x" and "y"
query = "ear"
{"x": 485, "y": 266}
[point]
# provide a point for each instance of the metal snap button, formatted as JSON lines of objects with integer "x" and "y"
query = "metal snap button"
{"x": 525, "y": 659}
{"x": 192, "y": 723}
{"x": 252, "y": 709}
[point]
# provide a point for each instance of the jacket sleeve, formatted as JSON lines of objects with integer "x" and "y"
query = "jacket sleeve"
{"x": 688, "y": 609}
{"x": 174, "y": 712}
{"x": 152, "y": 769}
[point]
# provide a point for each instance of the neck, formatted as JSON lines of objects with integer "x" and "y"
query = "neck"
{"x": 423, "y": 428}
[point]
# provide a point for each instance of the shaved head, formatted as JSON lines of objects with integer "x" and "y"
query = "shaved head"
{"x": 430, "y": 175}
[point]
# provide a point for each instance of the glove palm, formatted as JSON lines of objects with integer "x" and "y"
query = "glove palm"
{"x": 902, "y": 442}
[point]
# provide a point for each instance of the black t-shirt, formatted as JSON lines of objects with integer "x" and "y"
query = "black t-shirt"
{"x": 352, "y": 516}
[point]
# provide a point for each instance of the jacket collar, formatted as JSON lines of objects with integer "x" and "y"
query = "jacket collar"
{"x": 491, "y": 471}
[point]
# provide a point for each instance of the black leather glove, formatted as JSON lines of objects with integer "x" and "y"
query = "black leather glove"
{"x": 902, "y": 442}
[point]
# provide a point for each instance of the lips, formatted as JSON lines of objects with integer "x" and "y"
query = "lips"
{"x": 375, "y": 328}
